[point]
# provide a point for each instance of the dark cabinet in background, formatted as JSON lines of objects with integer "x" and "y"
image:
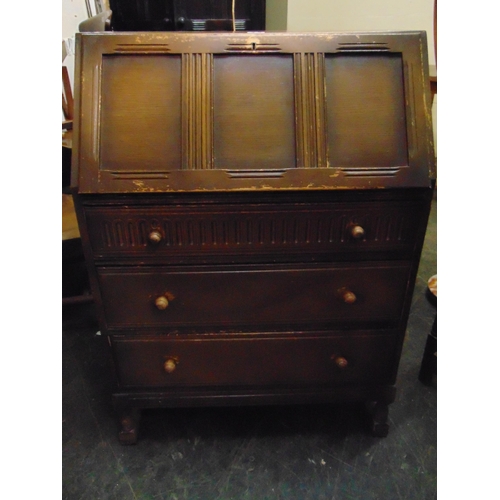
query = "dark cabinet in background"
{"x": 188, "y": 15}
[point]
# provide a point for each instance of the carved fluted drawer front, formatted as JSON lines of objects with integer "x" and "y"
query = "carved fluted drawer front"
{"x": 257, "y": 229}
{"x": 274, "y": 296}
{"x": 249, "y": 361}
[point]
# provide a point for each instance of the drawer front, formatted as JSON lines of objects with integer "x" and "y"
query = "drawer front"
{"x": 218, "y": 297}
{"x": 254, "y": 361}
{"x": 210, "y": 231}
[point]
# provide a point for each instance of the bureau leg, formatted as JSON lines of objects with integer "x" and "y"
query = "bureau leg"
{"x": 378, "y": 413}
{"x": 129, "y": 420}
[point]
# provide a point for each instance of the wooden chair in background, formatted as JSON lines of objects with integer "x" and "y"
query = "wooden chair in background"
{"x": 75, "y": 287}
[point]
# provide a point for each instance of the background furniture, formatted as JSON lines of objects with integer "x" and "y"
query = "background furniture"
{"x": 252, "y": 211}
{"x": 428, "y": 366}
{"x": 75, "y": 284}
{"x": 180, "y": 15}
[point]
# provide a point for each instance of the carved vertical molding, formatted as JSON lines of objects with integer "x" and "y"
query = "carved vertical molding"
{"x": 197, "y": 106}
{"x": 311, "y": 140}
{"x": 411, "y": 115}
{"x": 96, "y": 113}
{"x": 319, "y": 109}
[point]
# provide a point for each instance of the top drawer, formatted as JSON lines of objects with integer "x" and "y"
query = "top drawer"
{"x": 211, "y": 232}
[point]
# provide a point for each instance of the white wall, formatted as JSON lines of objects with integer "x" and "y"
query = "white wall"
{"x": 362, "y": 15}
{"x": 276, "y": 15}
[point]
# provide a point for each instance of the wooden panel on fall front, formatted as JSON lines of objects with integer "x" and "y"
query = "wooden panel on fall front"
{"x": 365, "y": 106}
{"x": 140, "y": 117}
{"x": 254, "y": 111}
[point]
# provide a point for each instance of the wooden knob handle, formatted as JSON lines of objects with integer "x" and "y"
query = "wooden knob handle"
{"x": 349, "y": 297}
{"x": 155, "y": 237}
{"x": 170, "y": 365}
{"x": 357, "y": 232}
{"x": 341, "y": 362}
{"x": 161, "y": 303}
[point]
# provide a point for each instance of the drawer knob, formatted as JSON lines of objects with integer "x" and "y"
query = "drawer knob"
{"x": 357, "y": 232}
{"x": 170, "y": 365}
{"x": 155, "y": 237}
{"x": 340, "y": 362}
{"x": 348, "y": 297}
{"x": 161, "y": 303}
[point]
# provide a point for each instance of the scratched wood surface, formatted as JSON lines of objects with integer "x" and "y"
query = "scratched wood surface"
{"x": 236, "y": 112}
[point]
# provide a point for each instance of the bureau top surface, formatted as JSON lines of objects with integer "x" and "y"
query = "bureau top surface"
{"x": 177, "y": 112}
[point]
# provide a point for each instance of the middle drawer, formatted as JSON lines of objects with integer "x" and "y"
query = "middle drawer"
{"x": 219, "y": 297}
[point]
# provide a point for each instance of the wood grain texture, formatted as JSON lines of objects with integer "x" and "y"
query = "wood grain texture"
{"x": 366, "y": 111}
{"x": 254, "y": 110}
{"x": 140, "y": 118}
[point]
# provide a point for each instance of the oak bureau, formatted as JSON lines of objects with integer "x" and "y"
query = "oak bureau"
{"x": 252, "y": 208}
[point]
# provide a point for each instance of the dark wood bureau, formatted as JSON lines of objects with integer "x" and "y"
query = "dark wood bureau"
{"x": 252, "y": 208}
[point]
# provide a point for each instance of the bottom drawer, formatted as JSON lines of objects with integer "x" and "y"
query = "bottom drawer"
{"x": 154, "y": 362}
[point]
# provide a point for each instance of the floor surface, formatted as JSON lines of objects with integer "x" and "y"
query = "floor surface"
{"x": 304, "y": 452}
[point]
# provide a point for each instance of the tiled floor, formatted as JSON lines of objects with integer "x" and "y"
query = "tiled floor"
{"x": 301, "y": 453}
